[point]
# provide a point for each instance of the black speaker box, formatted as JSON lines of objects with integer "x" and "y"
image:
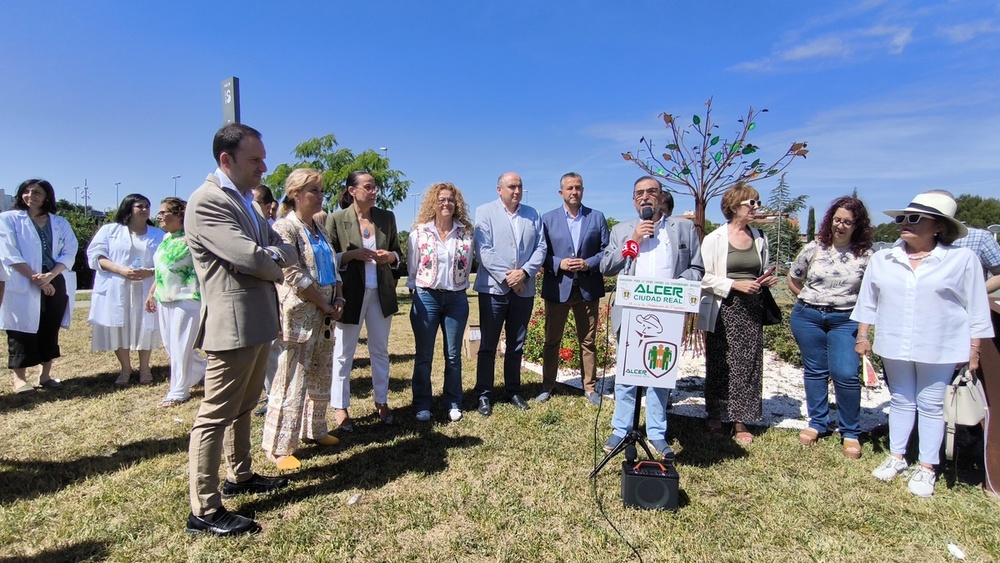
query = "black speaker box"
{"x": 649, "y": 485}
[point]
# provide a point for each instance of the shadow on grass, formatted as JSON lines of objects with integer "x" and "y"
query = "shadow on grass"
{"x": 370, "y": 469}
{"x": 27, "y": 479}
{"x": 75, "y": 388}
{"x": 700, "y": 448}
{"x": 83, "y": 551}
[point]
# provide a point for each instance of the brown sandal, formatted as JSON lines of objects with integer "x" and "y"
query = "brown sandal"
{"x": 809, "y": 436}
{"x": 852, "y": 448}
{"x": 743, "y": 436}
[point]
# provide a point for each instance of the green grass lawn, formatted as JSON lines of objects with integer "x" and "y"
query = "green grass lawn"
{"x": 93, "y": 473}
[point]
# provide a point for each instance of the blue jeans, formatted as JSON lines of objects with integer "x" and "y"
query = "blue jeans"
{"x": 448, "y": 310}
{"x": 826, "y": 341}
{"x": 496, "y": 312}
{"x": 656, "y": 411}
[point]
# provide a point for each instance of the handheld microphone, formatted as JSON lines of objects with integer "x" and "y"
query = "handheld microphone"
{"x": 629, "y": 252}
{"x": 646, "y": 214}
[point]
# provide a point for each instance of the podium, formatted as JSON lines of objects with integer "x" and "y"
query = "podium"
{"x": 652, "y": 328}
{"x": 650, "y": 339}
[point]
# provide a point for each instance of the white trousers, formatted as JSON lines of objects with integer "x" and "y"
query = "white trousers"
{"x": 917, "y": 396}
{"x": 346, "y": 342}
{"x": 179, "y": 321}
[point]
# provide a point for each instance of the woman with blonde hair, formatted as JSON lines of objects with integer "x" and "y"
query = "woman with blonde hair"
{"x": 311, "y": 300}
{"x": 735, "y": 256}
{"x": 439, "y": 259}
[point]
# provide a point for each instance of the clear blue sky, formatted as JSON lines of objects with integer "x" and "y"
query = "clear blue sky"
{"x": 893, "y": 97}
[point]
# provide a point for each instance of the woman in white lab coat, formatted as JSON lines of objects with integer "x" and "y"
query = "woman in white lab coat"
{"x": 38, "y": 249}
{"x": 121, "y": 255}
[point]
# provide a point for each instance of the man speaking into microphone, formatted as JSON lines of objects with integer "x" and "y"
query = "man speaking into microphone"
{"x": 668, "y": 248}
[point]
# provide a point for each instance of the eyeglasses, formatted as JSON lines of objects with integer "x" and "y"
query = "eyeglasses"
{"x": 162, "y": 213}
{"x": 444, "y": 200}
{"x": 845, "y": 222}
{"x": 910, "y": 218}
{"x": 651, "y": 192}
{"x": 751, "y": 202}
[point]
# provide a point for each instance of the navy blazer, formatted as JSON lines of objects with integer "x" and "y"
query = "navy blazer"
{"x": 557, "y": 284}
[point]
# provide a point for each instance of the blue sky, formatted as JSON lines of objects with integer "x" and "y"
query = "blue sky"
{"x": 892, "y": 97}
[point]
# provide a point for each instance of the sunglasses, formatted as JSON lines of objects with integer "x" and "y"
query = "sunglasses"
{"x": 910, "y": 218}
{"x": 751, "y": 202}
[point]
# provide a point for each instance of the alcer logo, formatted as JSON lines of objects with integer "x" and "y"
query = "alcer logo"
{"x": 664, "y": 290}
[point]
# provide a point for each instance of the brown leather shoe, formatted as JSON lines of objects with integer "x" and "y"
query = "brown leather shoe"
{"x": 852, "y": 448}
{"x": 808, "y": 436}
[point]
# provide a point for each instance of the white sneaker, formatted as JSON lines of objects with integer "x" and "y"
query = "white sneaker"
{"x": 889, "y": 469}
{"x": 922, "y": 482}
{"x": 455, "y": 415}
{"x": 423, "y": 416}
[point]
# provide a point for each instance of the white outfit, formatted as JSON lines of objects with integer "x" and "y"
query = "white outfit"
{"x": 117, "y": 308}
{"x": 924, "y": 320}
{"x": 346, "y": 342}
{"x": 715, "y": 285}
{"x": 20, "y": 244}
{"x": 179, "y": 321}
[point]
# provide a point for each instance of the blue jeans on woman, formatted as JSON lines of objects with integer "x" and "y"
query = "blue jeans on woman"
{"x": 826, "y": 342}
{"x": 449, "y": 310}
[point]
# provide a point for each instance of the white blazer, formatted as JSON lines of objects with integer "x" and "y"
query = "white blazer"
{"x": 715, "y": 285}
{"x": 107, "y": 302}
{"x": 20, "y": 244}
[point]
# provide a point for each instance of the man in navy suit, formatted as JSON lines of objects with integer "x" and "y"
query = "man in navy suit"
{"x": 669, "y": 248}
{"x": 575, "y": 236}
{"x": 510, "y": 248}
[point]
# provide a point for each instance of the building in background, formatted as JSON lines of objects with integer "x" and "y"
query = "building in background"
{"x": 6, "y": 201}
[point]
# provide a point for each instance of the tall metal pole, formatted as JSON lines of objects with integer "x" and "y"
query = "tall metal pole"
{"x": 175, "y": 184}
{"x": 76, "y": 196}
{"x": 86, "y": 198}
{"x": 117, "y": 200}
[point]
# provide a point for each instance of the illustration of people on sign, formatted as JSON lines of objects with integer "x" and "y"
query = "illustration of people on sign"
{"x": 659, "y": 357}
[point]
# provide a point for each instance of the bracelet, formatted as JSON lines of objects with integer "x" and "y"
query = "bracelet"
{"x": 339, "y": 298}
{"x": 861, "y": 339}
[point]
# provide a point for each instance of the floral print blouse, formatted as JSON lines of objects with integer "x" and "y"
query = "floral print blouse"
{"x": 175, "y": 276}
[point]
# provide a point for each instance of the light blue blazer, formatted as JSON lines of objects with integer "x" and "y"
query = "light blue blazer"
{"x": 498, "y": 250}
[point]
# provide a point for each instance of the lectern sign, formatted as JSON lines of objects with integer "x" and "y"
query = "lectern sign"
{"x": 652, "y": 328}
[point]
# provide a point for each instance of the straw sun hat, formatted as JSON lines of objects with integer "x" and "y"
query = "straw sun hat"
{"x": 933, "y": 203}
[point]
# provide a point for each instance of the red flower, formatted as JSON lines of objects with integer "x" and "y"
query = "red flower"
{"x": 566, "y": 354}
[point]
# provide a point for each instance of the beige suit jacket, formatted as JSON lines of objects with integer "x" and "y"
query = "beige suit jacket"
{"x": 239, "y": 304}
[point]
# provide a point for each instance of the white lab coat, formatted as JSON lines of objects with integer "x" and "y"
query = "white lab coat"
{"x": 107, "y": 305}
{"x": 20, "y": 244}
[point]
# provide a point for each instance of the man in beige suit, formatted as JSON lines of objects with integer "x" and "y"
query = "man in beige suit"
{"x": 238, "y": 258}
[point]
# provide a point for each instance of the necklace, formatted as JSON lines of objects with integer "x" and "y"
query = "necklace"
{"x": 918, "y": 258}
{"x": 366, "y": 233}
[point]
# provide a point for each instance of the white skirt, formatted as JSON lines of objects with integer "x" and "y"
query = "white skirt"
{"x": 138, "y": 331}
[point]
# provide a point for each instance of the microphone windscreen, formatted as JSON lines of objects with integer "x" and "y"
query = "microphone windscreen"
{"x": 646, "y": 213}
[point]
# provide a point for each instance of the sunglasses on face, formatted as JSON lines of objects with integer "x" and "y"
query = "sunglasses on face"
{"x": 751, "y": 202}
{"x": 910, "y": 218}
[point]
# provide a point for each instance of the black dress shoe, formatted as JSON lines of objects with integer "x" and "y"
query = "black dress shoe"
{"x": 255, "y": 484}
{"x": 485, "y": 408}
{"x": 220, "y": 523}
{"x": 518, "y": 402}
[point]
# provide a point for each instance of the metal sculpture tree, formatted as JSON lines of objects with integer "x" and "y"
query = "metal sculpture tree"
{"x": 709, "y": 165}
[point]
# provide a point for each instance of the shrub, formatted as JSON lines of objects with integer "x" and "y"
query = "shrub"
{"x": 569, "y": 348}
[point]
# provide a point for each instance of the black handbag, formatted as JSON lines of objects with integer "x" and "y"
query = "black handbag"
{"x": 772, "y": 313}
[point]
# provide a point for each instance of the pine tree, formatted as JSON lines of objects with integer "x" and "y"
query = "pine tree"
{"x": 811, "y": 225}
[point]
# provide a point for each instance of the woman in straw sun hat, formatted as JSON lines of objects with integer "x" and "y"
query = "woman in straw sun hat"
{"x": 927, "y": 300}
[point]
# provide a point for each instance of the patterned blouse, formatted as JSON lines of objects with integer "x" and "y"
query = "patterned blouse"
{"x": 174, "y": 267}
{"x": 832, "y": 277}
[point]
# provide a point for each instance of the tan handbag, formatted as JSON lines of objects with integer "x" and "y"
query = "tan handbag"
{"x": 964, "y": 403}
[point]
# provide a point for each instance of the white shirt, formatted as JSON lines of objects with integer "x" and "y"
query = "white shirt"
{"x": 247, "y": 198}
{"x": 929, "y": 314}
{"x": 515, "y": 223}
{"x": 656, "y": 254}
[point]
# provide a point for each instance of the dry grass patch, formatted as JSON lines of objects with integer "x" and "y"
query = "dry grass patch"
{"x": 94, "y": 473}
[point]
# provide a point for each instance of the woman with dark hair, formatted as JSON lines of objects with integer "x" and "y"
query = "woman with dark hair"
{"x": 121, "y": 255}
{"x": 38, "y": 249}
{"x": 826, "y": 277}
{"x": 364, "y": 238}
{"x": 735, "y": 257}
{"x": 927, "y": 300}
{"x": 311, "y": 301}
{"x": 176, "y": 297}
{"x": 440, "y": 251}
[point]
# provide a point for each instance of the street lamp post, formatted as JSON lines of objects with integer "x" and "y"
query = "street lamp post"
{"x": 175, "y": 184}
{"x": 117, "y": 200}
{"x": 76, "y": 196}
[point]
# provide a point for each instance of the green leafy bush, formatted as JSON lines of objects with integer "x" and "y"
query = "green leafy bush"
{"x": 569, "y": 348}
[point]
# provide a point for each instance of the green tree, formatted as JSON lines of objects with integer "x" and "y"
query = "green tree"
{"x": 782, "y": 236}
{"x": 404, "y": 242}
{"x": 886, "y": 232}
{"x": 978, "y": 211}
{"x": 611, "y": 221}
{"x": 325, "y": 154}
{"x": 709, "y": 165}
{"x": 811, "y": 225}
